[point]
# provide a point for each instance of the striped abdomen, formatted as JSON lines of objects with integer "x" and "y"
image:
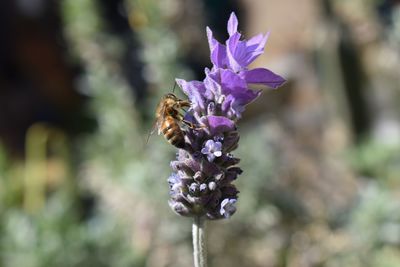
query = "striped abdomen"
{"x": 172, "y": 132}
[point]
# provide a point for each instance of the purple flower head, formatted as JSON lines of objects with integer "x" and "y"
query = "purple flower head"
{"x": 226, "y": 86}
{"x": 205, "y": 169}
{"x": 212, "y": 150}
{"x": 237, "y": 54}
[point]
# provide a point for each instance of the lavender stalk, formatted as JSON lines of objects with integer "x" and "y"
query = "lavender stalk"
{"x": 201, "y": 185}
{"x": 199, "y": 242}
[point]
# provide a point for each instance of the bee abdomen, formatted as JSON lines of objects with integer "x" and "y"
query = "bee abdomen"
{"x": 178, "y": 140}
{"x": 174, "y": 135}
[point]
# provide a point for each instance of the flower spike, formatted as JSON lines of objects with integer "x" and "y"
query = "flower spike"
{"x": 204, "y": 171}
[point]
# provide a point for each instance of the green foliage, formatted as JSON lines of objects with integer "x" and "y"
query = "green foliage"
{"x": 56, "y": 237}
{"x": 377, "y": 160}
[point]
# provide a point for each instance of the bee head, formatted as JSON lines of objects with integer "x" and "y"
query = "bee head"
{"x": 171, "y": 96}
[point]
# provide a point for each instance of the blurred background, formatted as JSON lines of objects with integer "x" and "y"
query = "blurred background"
{"x": 79, "y": 82}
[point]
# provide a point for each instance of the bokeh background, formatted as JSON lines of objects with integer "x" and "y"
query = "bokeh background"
{"x": 79, "y": 82}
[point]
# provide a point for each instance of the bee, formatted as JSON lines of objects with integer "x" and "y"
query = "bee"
{"x": 168, "y": 119}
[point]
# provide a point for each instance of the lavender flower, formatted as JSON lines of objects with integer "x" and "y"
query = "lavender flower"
{"x": 212, "y": 149}
{"x": 204, "y": 170}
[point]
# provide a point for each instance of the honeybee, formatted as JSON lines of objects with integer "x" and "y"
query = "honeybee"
{"x": 168, "y": 119}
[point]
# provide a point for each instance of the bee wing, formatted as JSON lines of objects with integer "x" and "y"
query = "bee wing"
{"x": 156, "y": 125}
{"x": 153, "y": 129}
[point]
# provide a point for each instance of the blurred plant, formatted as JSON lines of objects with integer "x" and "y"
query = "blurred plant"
{"x": 55, "y": 236}
{"x": 42, "y": 217}
{"x": 160, "y": 46}
{"x": 373, "y": 230}
{"x": 377, "y": 160}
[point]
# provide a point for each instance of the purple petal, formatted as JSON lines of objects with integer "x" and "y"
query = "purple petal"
{"x": 195, "y": 90}
{"x": 228, "y": 102}
{"x": 205, "y": 150}
{"x": 217, "y": 146}
{"x": 210, "y": 157}
{"x": 254, "y": 48}
{"x": 219, "y": 124}
{"x": 262, "y": 76}
{"x": 234, "y": 52}
{"x": 258, "y": 41}
{"x": 232, "y": 107}
{"x": 241, "y": 53}
{"x": 228, "y": 207}
{"x": 234, "y": 90}
{"x": 211, "y": 41}
{"x": 233, "y": 84}
{"x": 209, "y": 145}
{"x": 218, "y": 56}
{"x": 213, "y": 87}
{"x": 232, "y": 24}
{"x": 217, "y": 51}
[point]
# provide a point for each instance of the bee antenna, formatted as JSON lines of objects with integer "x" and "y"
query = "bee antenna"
{"x": 173, "y": 90}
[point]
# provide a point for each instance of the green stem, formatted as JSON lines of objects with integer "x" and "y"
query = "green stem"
{"x": 199, "y": 242}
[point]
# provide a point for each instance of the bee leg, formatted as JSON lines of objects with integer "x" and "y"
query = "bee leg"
{"x": 181, "y": 117}
{"x": 180, "y": 104}
{"x": 192, "y": 125}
